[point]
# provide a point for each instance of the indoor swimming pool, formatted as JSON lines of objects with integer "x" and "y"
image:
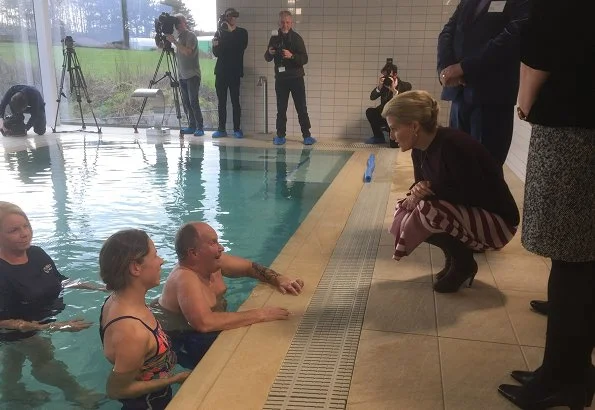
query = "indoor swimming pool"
{"x": 79, "y": 192}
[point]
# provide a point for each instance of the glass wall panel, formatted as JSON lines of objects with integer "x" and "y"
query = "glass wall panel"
{"x": 114, "y": 43}
{"x": 19, "y": 61}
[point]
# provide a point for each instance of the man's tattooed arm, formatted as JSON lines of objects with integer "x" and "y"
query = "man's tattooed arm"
{"x": 264, "y": 274}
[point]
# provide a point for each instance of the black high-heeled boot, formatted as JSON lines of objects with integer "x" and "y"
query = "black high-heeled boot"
{"x": 540, "y": 306}
{"x": 436, "y": 240}
{"x": 462, "y": 268}
{"x": 572, "y": 397}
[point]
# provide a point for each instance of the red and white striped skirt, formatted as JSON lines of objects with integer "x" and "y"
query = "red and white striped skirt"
{"x": 477, "y": 228}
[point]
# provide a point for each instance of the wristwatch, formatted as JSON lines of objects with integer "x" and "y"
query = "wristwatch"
{"x": 521, "y": 114}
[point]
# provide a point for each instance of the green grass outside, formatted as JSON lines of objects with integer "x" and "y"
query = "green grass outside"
{"x": 113, "y": 64}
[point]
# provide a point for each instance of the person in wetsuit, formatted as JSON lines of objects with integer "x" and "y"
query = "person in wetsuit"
{"x": 133, "y": 340}
{"x": 30, "y": 298}
{"x": 193, "y": 299}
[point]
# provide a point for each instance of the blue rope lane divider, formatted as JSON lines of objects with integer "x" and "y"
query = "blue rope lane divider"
{"x": 370, "y": 168}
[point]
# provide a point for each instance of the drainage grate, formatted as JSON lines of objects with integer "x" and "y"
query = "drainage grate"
{"x": 317, "y": 370}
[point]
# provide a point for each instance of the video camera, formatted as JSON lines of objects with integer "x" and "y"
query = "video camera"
{"x": 222, "y": 23}
{"x": 68, "y": 42}
{"x": 164, "y": 25}
{"x": 389, "y": 69}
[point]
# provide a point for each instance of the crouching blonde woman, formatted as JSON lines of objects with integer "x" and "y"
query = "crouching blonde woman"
{"x": 459, "y": 201}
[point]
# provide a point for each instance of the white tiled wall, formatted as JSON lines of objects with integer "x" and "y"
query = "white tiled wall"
{"x": 348, "y": 42}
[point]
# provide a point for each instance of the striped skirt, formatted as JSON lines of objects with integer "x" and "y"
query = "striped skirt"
{"x": 477, "y": 228}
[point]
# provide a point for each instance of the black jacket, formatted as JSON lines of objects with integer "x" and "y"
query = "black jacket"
{"x": 488, "y": 47}
{"x": 385, "y": 94}
{"x": 230, "y": 53}
{"x": 560, "y": 39}
{"x": 36, "y": 106}
{"x": 294, "y": 67}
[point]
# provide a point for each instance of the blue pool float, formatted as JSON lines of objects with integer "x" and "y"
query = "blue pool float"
{"x": 370, "y": 168}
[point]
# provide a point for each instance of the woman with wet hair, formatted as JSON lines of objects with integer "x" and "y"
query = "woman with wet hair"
{"x": 459, "y": 201}
{"x": 133, "y": 340}
{"x": 30, "y": 298}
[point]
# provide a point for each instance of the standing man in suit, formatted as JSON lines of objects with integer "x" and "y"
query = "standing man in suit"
{"x": 229, "y": 48}
{"x": 478, "y": 65}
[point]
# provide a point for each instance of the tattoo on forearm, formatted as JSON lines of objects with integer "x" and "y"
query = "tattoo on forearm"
{"x": 263, "y": 273}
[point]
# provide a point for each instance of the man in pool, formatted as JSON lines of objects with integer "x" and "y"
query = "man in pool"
{"x": 192, "y": 307}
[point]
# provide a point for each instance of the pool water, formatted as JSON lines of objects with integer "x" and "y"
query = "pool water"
{"x": 77, "y": 194}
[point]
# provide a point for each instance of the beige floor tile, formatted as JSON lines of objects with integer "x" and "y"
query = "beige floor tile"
{"x": 528, "y": 326}
{"x": 406, "y": 307}
{"x": 474, "y": 314}
{"x": 396, "y": 371}
{"x": 472, "y": 372}
{"x": 533, "y": 356}
{"x": 415, "y": 267}
{"x": 387, "y": 238}
{"x": 526, "y": 273}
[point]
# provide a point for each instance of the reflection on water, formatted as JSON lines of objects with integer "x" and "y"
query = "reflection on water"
{"x": 77, "y": 194}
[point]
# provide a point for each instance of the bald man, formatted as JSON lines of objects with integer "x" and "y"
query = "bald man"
{"x": 192, "y": 307}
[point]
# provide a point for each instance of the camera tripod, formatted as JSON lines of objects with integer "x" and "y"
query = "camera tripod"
{"x": 78, "y": 86}
{"x": 172, "y": 74}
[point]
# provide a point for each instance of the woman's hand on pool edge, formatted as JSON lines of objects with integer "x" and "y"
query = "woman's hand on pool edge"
{"x": 287, "y": 285}
{"x": 181, "y": 377}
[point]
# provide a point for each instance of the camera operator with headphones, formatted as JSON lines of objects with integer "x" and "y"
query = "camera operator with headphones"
{"x": 228, "y": 46}
{"x": 189, "y": 74}
{"x": 389, "y": 85}
{"x": 22, "y": 99}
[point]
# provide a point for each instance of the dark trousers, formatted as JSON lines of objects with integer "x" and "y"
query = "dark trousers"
{"x": 570, "y": 336}
{"x": 15, "y": 124}
{"x": 297, "y": 88}
{"x": 376, "y": 121}
{"x": 490, "y": 124}
{"x": 191, "y": 346}
{"x": 222, "y": 83}
{"x": 189, "y": 89}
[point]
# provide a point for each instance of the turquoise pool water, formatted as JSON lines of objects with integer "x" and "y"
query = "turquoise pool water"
{"x": 77, "y": 194}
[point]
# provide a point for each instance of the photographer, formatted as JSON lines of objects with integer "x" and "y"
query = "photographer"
{"x": 228, "y": 47}
{"x": 288, "y": 50}
{"x": 22, "y": 99}
{"x": 389, "y": 85}
{"x": 188, "y": 74}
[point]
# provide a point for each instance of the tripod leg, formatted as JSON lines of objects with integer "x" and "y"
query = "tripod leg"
{"x": 83, "y": 84}
{"x": 60, "y": 90}
{"x": 176, "y": 90}
{"x": 151, "y": 83}
{"x": 75, "y": 85}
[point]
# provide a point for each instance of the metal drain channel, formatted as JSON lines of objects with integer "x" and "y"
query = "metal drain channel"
{"x": 317, "y": 370}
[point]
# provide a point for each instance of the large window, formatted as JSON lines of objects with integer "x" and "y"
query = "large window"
{"x": 113, "y": 46}
{"x": 19, "y": 61}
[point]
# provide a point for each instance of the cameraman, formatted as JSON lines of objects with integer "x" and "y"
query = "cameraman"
{"x": 389, "y": 85}
{"x": 228, "y": 47}
{"x": 188, "y": 74}
{"x": 22, "y": 99}
{"x": 288, "y": 50}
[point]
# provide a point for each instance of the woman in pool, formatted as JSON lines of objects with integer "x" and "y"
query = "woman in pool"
{"x": 30, "y": 288}
{"x": 459, "y": 202}
{"x": 133, "y": 340}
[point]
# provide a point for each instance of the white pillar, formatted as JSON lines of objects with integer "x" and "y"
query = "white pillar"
{"x": 46, "y": 59}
